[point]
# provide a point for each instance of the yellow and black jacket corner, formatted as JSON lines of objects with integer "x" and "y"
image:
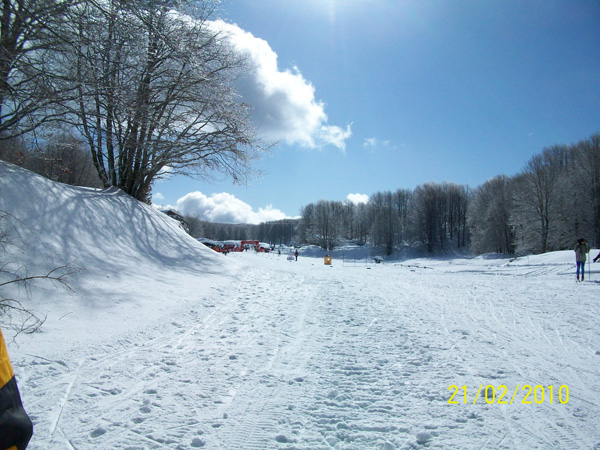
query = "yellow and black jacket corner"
{"x": 15, "y": 426}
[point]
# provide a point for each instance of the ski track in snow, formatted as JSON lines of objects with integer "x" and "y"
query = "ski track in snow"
{"x": 300, "y": 356}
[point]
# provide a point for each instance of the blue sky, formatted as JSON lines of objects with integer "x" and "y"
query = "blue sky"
{"x": 373, "y": 95}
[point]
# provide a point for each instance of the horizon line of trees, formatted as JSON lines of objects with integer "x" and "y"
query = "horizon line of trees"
{"x": 279, "y": 232}
{"x": 432, "y": 217}
{"x": 552, "y": 202}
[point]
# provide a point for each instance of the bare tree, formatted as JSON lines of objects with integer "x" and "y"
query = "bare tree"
{"x": 536, "y": 199}
{"x": 489, "y": 217}
{"x": 327, "y": 222}
{"x": 403, "y": 204}
{"x": 307, "y": 224}
{"x": 384, "y": 220}
{"x": 277, "y": 232}
{"x": 155, "y": 93}
{"x": 195, "y": 228}
{"x": 457, "y": 204}
{"x": 361, "y": 221}
{"x": 28, "y": 33}
{"x": 61, "y": 157}
{"x": 587, "y": 155}
{"x": 428, "y": 215}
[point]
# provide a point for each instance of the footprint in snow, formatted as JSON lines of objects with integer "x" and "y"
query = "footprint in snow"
{"x": 97, "y": 432}
{"x": 197, "y": 443}
{"x": 423, "y": 437}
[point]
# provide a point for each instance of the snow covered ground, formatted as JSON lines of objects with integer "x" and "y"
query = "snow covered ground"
{"x": 163, "y": 344}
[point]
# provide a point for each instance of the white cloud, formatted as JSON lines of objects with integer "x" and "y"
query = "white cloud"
{"x": 284, "y": 102}
{"x": 225, "y": 208}
{"x": 335, "y": 135}
{"x": 370, "y": 142}
{"x": 157, "y": 197}
{"x": 357, "y": 198}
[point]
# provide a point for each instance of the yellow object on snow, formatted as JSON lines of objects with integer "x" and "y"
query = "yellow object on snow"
{"x": 15, "y": 425}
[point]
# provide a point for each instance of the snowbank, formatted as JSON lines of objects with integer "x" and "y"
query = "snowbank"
{"x": 122, "y": 255}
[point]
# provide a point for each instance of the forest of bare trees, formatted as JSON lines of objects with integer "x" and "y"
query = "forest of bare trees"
{"x": 554, "y": 200}
{"x": 433, "y": 216}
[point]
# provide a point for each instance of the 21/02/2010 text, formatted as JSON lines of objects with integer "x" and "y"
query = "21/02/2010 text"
{"x": 491, "y": 394}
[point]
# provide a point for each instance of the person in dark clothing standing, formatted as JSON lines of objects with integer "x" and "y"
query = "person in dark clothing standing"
{"x": 581, "y": 251}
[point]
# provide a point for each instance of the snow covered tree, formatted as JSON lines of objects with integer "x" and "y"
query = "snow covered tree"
{"x": 537, "y": 197}
{"x": 155, "y": 93}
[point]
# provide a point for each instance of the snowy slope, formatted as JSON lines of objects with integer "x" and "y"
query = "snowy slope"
{"x": 123, "y": 254}
{"x": 163, "y": 344}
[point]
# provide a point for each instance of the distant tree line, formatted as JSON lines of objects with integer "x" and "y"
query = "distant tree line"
{"x": 432, "y": 216}
{"x": 280, "y": 232}
{"x": 553, "y": 201}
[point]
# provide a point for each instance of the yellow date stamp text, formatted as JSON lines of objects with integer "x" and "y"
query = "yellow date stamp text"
{"x": 523, "y": 394}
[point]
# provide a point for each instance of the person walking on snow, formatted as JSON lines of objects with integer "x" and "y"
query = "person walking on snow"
{"x": 581, "y": 251}
{"x": 296, "y": 255}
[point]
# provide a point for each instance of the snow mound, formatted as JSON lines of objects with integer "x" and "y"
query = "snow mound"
{"x": 115, "y": 249}
{"x": 93, "y": 229}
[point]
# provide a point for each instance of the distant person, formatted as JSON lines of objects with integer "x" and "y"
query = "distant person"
{"x": 15, "y": 425}
{"x": 296, "y": 255}
{"x": 581, "y": 251}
